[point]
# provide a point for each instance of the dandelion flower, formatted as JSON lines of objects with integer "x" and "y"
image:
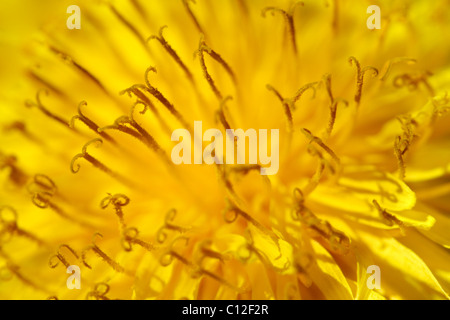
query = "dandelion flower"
{"x": 85, "y": 150}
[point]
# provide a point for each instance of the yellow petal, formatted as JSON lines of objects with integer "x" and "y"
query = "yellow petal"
{"x": 402, "y": 269}
{"x": 327, "y": 275}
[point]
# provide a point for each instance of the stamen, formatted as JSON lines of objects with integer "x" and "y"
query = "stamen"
{"x": 120, "y": 125}
{"x": 147, "y": 138}
{"x": 286, "y": 106}
{"x": 158, "y": 95}
{"x": 70, "y": 61}
{"x": 129, "y": 237}
{"x": 245, "y": 168}
{"x": 127, "y": 24}
{"x": 243, "y": 7}
{"x": 143, "y": 98}
{"x": 441, "y": 106}
{"x": 360, "y": 77}
{"x": 246, "y": 251}
{"x": 412, "y": 81}
{"x": 335, "y": 22}
{"x": 99, "y": 292}
{"x": 171, "y": 52}
{"x": 300, "y": 92}
{"x": 299, "y": 205}
{"x": 322, "y": 227}
{"x": 89, "y": 123}
{"x": 409, "y": 125}
{"x": 16, "y": 174}
{"x": 316, "y": 153}
{"x": 299, "y": 199}
{"x": 11, "y": 228}
{"x": 236, "y": 212}
{"x": 93, "y": 247}
{"x": 402, "y": 143}
{"x": 337, "y": 240}
{"x": 41, "y": 183}
{"x": 89, "y": 158}
{"x": 203, "y": 47}
{"x": 208, "y": 76}
{"x": 389, "y": 219}
{"x": 61, "y": 257}
{"x": 384, "y": 73}
{"x": 41, "y": 199}
{"x": 289, "y": 16}
{"x": 400, "y": 148}
{"x": 319, "y": 142}
{"x": 42, "y": 190}
{"x": 20, "y": 126}
{"x": 300, "y": 210}
{"x": 146, "y": 102}
{"x": 326, "y": 79}
{"x": 16, "y": 125}
{"x": 168, "y": 225}
{"x": 12, "y": 270}
{"x": 197, "y": 271}
{"x": 135, "y": 131}
{"x": 216, "y": 56}
{"x": 44, "y": 83}
{"x": 220, "y": 115}
{"x": 333, "y": 110}
{"x": 118, "y": 201}
{"x": 167, "y": 258}
{"x": 38, "y": 104}
{"x": 289, "y": 104}
{"x": 315, "y": 179}
{"x": 133, "y": 108}
{"x": 96, "y": 163}
{"x": 191, "y": 14}
{"x": 140, "y": 9}
{"x": 302, "y": 262}
{"x": 224, "y": 176}
{"x": 206, "y": 252}
{"x": 276, "y": 92}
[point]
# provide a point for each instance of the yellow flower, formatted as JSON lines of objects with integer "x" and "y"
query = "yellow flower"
{"x": 87, "y": 179}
